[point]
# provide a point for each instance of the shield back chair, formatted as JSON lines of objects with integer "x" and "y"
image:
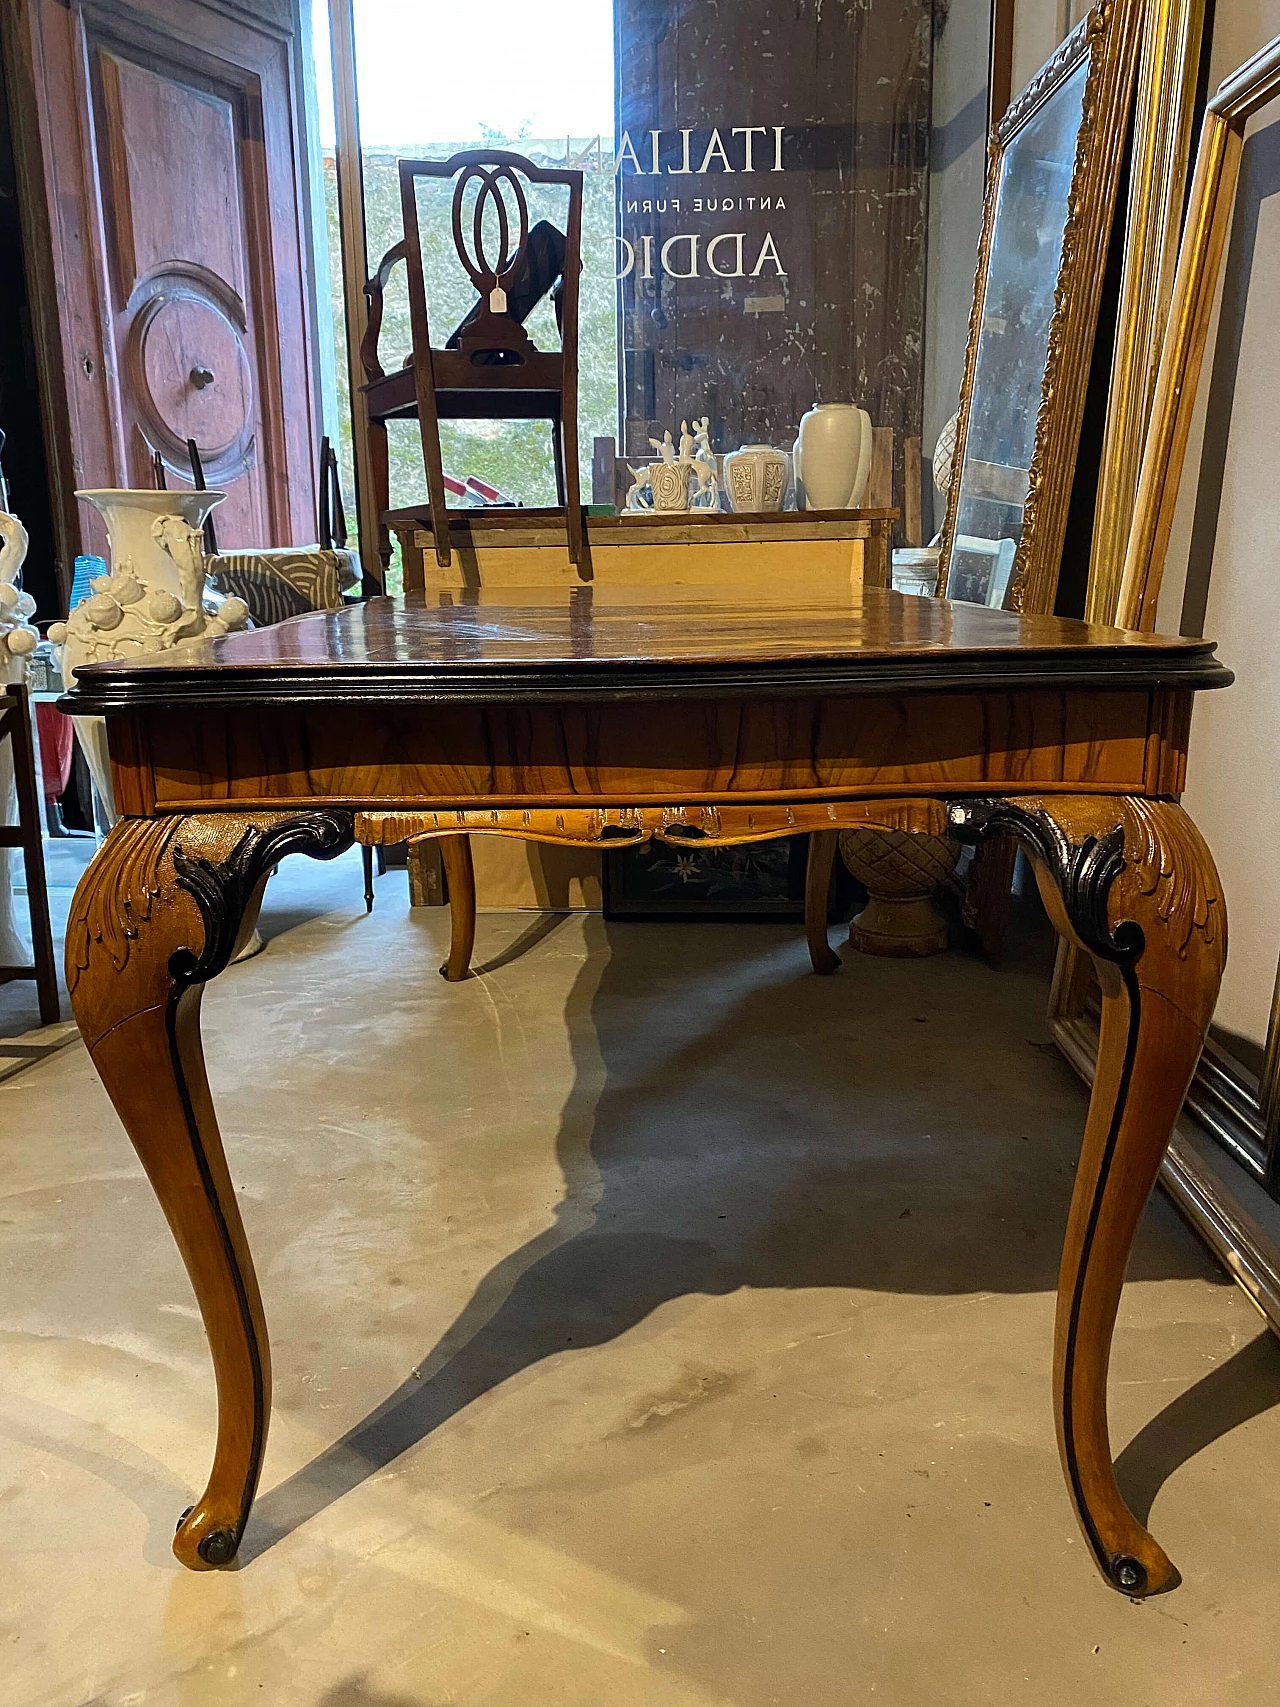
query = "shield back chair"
{"x": 489, "y": 369}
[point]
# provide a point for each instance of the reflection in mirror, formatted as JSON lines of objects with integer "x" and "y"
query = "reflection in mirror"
{"x": 1055, "y": 166}
{"x": 1026, "y": 255}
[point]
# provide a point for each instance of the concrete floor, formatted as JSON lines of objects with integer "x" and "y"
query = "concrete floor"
{"x": 655, "y": 1325}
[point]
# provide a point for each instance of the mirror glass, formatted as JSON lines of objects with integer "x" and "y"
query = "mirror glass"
{"x": 1013, "y": 343}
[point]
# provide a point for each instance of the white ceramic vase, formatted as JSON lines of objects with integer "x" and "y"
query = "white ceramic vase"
{"x": 833, "y": 457}
{"x": 153, "y": 598}
{"x": 755, "y": 478}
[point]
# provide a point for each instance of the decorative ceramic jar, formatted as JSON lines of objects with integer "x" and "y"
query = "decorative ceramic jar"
{"x": 915, "y": 570}
{"x": 755, "y": 478}
{"x": 833, "y": 457}
{"x": 154, "y": 597}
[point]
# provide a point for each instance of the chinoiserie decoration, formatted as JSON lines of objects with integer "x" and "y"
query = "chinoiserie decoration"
{"x": 755, "y": 478}
{"x": 678, "y": 482}
{"x": 900, "y": 871}
{"x": 17, "y": 641}
{"x": 154, "y": 597}
{"x": 833, "y": 457}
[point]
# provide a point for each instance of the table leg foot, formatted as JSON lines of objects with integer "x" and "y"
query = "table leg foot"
{"x": 455, "y": 852}
{"x": 162, "y": 909}
{"x": 1132, "y": 883}
{"x": 817, "y": 893}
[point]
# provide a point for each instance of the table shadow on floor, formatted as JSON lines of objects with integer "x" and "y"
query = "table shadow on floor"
{"x": 782, "y": 1132}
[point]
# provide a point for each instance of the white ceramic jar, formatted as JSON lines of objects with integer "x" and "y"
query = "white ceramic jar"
{"x": 833, "y": 457}
{"x": 152, "y": 599}
{"x": 755, "y": 478}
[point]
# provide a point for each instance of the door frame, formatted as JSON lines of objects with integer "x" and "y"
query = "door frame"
{"x": 44, "y": 49}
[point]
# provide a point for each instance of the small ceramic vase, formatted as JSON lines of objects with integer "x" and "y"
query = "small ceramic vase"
{"x": 669, "y": 483}
{"x": 755, "y": 478}
{"x": 915, "y": 570}
{"x": 833, "y": 457}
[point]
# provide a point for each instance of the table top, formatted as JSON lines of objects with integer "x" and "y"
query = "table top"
{"x": 557, "y": 643}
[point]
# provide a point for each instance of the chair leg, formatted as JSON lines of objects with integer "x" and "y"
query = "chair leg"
{"x": 29, "y": 818}
{"x": 817, "y": 892}
{"x": 380, "y": 472}
{"x": 366, "y": 855}
{"x": 557, "y": 458}
{"x": 460, "y": 875}
{"x": 433, "y": 463}
{"x": 568, "y": 440}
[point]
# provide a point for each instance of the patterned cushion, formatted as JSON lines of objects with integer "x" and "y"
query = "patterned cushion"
{"x": 285, "y": 582}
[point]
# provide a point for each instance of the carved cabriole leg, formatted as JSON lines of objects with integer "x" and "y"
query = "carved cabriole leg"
{"x": 455, "y": 852}
{"x": 161, "y": 910}
{"x": 1132, "y": 884}
{"x": 817, "y": 894}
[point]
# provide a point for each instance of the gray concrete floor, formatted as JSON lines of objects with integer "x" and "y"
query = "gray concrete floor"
{"x": 654, "y": 1324}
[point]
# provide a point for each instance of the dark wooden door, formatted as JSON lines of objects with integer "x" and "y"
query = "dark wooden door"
{"x": 164, "y": 143}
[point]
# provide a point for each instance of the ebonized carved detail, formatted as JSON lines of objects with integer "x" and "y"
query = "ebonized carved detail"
{"x": 222, "y": 888}
{"x": 1083, "y": 872}
{"x": 1157, "y": 842}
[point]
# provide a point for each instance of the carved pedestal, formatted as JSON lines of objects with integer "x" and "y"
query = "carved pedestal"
{"x": 899, "y": 870}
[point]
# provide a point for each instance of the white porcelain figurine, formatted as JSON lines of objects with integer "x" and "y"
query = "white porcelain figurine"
{"x": 678, "y": 482}
{"x": 833, "y": 457}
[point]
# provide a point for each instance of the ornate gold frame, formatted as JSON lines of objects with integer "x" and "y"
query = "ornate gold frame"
{"x": 1213, "y": 191}
{"x": 1172, "y": 39}
{"x": 1106, "y": 39}
{"x": 1243, "y": 1118}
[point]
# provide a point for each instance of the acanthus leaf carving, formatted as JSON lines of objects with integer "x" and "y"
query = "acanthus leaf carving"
{"x": 117, "y": 894}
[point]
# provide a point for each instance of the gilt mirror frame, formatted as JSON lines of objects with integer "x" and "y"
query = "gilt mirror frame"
{"x": 1105, "y": 43}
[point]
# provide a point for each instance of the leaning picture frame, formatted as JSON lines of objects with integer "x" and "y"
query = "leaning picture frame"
{"x": 1056, "y": 159}
{"x": 1235, "y": 1102}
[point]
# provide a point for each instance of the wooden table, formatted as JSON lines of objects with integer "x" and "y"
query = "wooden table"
{"x": 608, "y": 716}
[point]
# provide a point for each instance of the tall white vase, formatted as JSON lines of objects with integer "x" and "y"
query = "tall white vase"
{"x": 153, "y": 598}
{"x": 17, "y": 641}
{"x": 833, "y": 457}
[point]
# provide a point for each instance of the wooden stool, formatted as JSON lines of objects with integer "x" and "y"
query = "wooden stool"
{"x": 15, "y": 726}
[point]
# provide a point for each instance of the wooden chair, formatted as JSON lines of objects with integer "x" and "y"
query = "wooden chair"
{"x": 490, "y": 369}
{"x": 15, "y": 728}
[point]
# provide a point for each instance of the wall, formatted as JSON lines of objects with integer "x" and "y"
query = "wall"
{"x": 1221, "y": 578}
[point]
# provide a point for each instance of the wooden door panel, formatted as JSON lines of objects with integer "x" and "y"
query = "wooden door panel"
{"x": 176, "y": 245}
{"x": 174, "y": 173}
{"x": 170, "y": 152}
